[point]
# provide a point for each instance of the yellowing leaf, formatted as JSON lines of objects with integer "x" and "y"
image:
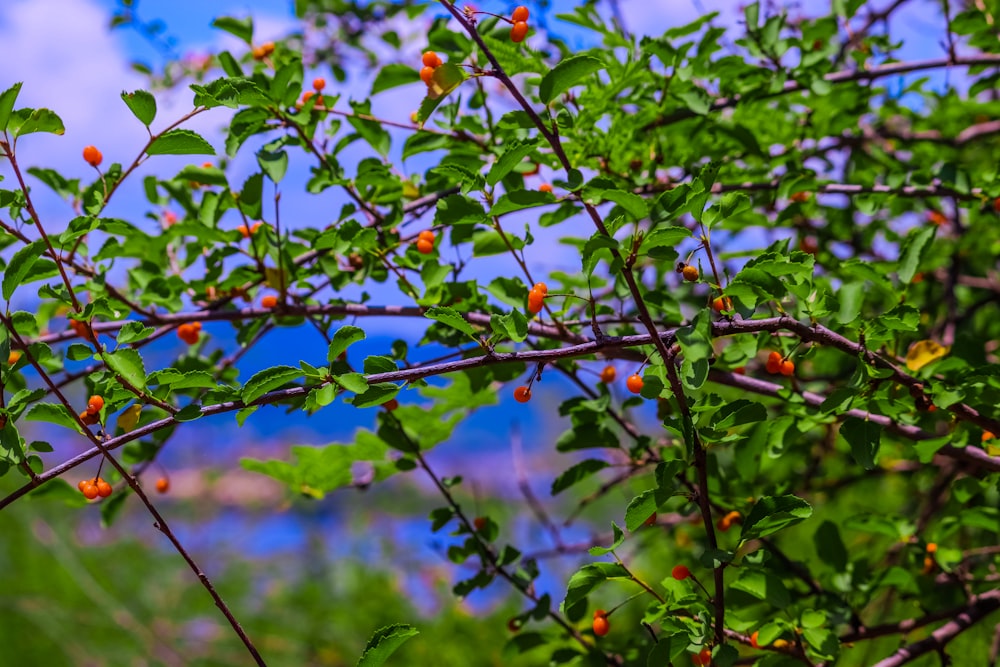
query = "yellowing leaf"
{"x": 924, "y": 352}
{"x": 128, "y": 419}
{"x": 275, "y": 277}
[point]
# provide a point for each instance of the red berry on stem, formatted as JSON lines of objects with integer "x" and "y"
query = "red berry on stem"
{"x": 522, "y": 394}
{"x": 520, "y": 14}
{"x": 92, "y": 156}
{"x": 680, "y": 572}
{"x": 634, "y": 383}
{"x": 518, "y": 32}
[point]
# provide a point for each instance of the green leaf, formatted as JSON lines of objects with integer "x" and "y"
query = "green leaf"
{"x": 864, "y": 437}
{"x": 589, "y": 577}
{"x": 618, "y": 538}
{"x": 267, "y": 380}
{"x": 134, "y": 331}
{"x": 384, "y": 643}
{"x": 142, "y": 105}
{"x": 452, "y": 318}
{"x": 242, "y": 28}
{"x": 577, "y": 473}
{"x": 274, "y": 164}
{"x": 513, "y": 325}
{"x": 29, "y": 121}
{"x": 375, "y": 394}
{"x": 353, "y": 382}
{"x": 127, "y": 363}
{"x": 7, "y": 100}
{"x": 180, "y": 142}
{"x": 516, "y": 151}
{"x": 565, "y": 75}
{"x": 773, "y": 513}
{"x": 763, "y": 586}
{"x": 20, "y": 267}
{"x": 53, "y": 414}
{"x": 394, "y": 74}
{"x": 344, "y": 338}
{"x": 912, "y": 251}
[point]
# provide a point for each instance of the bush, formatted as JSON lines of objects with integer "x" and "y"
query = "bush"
{"x": 761, "y": 262}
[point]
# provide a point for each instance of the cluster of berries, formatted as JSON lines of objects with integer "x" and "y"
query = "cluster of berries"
{"x": 319, "y": 83}
{"x": 91, "y": 488}
{"x": 92, "y": 414}
{"x": 536, "y": 298}
{"x": 247, "y": 232}
{"x": 262, "y": 51}
{"x": 778, "y": 364}
{"x": 431, "y": 62}
{"x": 189, "y": 332}
{"x": 425, "y": 242}
{"x": 520, "y": 28}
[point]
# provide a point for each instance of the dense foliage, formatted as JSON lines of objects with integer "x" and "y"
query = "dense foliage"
{"x": 763, "y": 258}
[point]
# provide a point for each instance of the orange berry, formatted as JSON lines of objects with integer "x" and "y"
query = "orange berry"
{"x": 722, "y": 303}
{"x": 103, "y": 488}
{"x": 82, "y": 483}
{"x": 427, "y": 75}
{"x": 541, "y": 287}
{"x": 601, "y": 626}
{"x": 81, "y": 329}
{"x": 518, "y": 32}
{"x": 13, "y": 357}
{"x": 427, "y": 235}
{"x": 162, "y": 485}
{"x": 92, "y": 156}
{"x": 479, "y": 523}
{"x": 706, "y": 656}
{"x": 88, "y": 419}
{"x": 599, "y": 613}
{"x": 787, "y": 368}
{"x": 987, "y": 435}
{"x": 800, "y": 197}
{"x": 431, "y": 59}
{"x": 726, "y": 522}
{"x": 196, "y": 325}
{"x": 936, "y": 218}
{"x": 774, "y": 362}
{"x": 690, "y": 272}
{"x": 319, "y": 83}
{"x": 753, "y": 640}
{"x": 634, "y": 383}
{"x": 263, "y": 51}
{"x": 520, "y": 14}
{"x": 545, "y": 187}
{"x": 536, "y": 300}
{"x": 95, "y": 404}
{"x": 90, "y": 491}
{"x": 188, "y": 333}
{"x": 608, "y": 375}
{"x": 269, "y": 301}
{"x": 307, "y": 95}
{"x": 522, "y": 394}
{"x": 931, "y": 547}
{"x": 424, "y": 246}
{"x": 680, "y": 572}
{"x": 391, "y": 404}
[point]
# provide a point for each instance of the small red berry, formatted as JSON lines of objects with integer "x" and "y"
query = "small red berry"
{"x": 431, "y": 59}
{"x": 774, "y": 363}
{"x": 162, "y": 485}
{"x": 391, "y": 404}
{"x": 269, "y": 301}
{"x": 518, "y": 32}
{"x": 536, "y": 300}
{"x": 522, "y": 394}
{"x": 799, "y": 197}
{"x": 753, "y": 640}
{"x": 680, "y": 572}
{"x": 90, "y": 491}
{"x": 425, "y": 247}
{"x": 95, "y": 404}
{"x": 787, "y": 368}
{"x": 545, "y": 187}
{"x": 634, "y": 383}
{"x": 319, "y": 83}
{"x": 92, "y": 156}
{"x": 103, "y": 488}
{"x": 722, "y": 303}
{"x": 520, "y": 14}
{"x": 651, "y": 521}
{"x": 427, "y": 75}
{"x": 609, "y": 374}
{"x": 601, "y": 626}
{"x": 479, "y": 523}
